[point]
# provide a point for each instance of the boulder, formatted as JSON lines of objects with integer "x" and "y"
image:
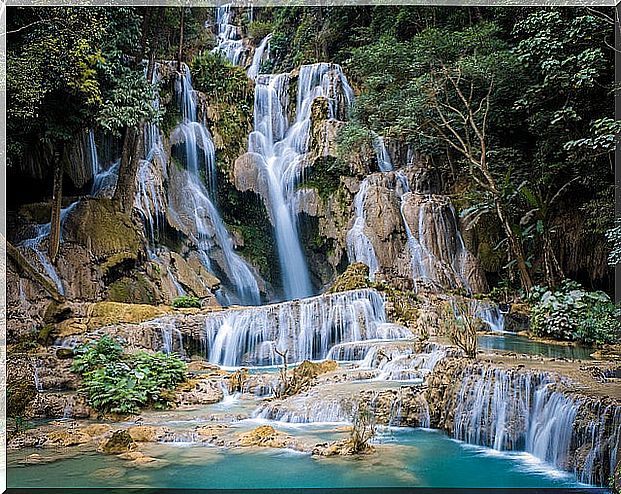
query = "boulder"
{"x": 119, "y": 442}
{"x": 146, "y": 433}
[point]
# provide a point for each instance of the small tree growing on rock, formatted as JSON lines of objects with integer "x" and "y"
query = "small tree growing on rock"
{"x": 460, "y": 324}
{"x": 363, "y": 429}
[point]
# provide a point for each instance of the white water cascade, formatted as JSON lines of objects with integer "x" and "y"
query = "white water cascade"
{"x": 230, "y": 44}
{"x": 510, "y": 410}
{"x": 210, "y": 234}
{"x": 262, "y": 51}
{"x": 306, "y": 329}
{"x": 104, "y": 179}
{"x": 359, "y": 246}
{"x": 281, "y": 145}
{"x": 35, "y": 244}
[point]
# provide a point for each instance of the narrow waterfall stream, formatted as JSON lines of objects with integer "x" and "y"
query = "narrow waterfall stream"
{"x": 209, "y": 226}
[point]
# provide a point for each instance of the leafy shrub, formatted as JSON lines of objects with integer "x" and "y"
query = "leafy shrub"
{"x": 186, "y": 301}
{"x": 125, "y": 383}
{"x": 572, "y": 313}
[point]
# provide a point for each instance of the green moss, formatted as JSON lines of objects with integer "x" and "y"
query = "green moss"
{"x": 258, "y": 246}
{"x": 46, "y": 334}
{"x": 229, "y": 100}
{"x": 355, "y": 277}
{"x": 325, "y": 176}
{"x": 132, "y": 290}
{"x": 26, "y": 343}
{"x": 402, "y": 306}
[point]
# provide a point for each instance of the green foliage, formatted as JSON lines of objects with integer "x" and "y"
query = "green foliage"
{"x": 614, "y": 237}
{"x": 186, "y": 301}
{"x": 69, "y": 69}
{"x": 230, "y": 97}
{"x": 260, "y": 29}
{"x": 571, "y": 313}
{"x": 129, "y": 103}
{"x": 98, "y": 354}
{"x": 125, "y": 383}
{"x": 325, "y": 176}
{"x": 215, "y": 76}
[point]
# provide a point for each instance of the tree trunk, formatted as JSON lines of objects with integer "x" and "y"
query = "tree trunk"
{"x": 57, "y": 200}
{"x": 515, "y": 247}
{"x": 179, "y": 56}
{"x": 552, "y": 268}
{"x": 130, "y": 160}
{"x": 25, "y": 267}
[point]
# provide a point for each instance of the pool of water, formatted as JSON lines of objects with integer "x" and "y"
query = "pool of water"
{"x": 520, "y": 344}
{"x": 405, "y": 458}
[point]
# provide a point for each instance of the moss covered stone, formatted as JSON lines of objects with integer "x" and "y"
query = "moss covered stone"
{"x": 109, "y": 234}
{"x": 356, "y": 276}
{"x": 136, "y": 289}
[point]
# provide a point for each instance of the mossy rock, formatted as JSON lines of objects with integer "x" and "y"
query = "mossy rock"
{"x": 308, "y": 369}
{"x": 105, "y": 313}
{"x": 137, "y": 289}
{"x": 46, "y": 334}
{"x": 355, "y": 277}
{"x": 109, "y": 234}
{"x": 64, "y": 353}
{"x": 120, "y": 442}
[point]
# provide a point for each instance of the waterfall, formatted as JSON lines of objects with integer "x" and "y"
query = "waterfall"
{"x": 381, "y": 153}
{"x": 229, "y": 41}
{"x": 282, "y": 146}
{"x": 35, "y": 244}
{"x": 104, "y": 179}
{"x": 437, "y": 250}
{"x": 307, "y": 329}
{"x": 169, "y": 332}
{"x": 492, "y": 316}
{"x": 35, "y": 375}
{"x": 257, "y": 58}
{"x": 359, "y": 246}
{"x": 510, "y": 410}
{"x": 208, "y": 227}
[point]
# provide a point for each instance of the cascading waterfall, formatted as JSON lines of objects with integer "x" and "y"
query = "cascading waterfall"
{"x": 263, "y": 50}
{"x": 510, "y": 410}
{"x": 35, "y": 244}
{"x": 206, "y": 220}
{"x": 492, "y": 316}
{"x": 281, "y": 147}
{"x": 169, "y": 333}
{"x": 229, "y": 41}
{"x": 359, "y": 246}
{"x": 384, "y": 162}
{"x": 306, "y": 329}
{"x": 104, "y": 179}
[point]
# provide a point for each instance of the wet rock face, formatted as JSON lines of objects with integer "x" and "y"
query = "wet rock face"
{"x": 60, "y": 405}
